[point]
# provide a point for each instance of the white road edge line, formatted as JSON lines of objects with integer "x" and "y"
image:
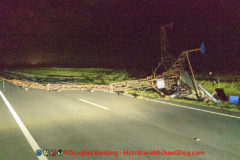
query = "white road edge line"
{"x": 97, "y": 105}
{"x": 128, "y": 95}
{"x": 26, "y": 133}
{"x": 182, "y": 106}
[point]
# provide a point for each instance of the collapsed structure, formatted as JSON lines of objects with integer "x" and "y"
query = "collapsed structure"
{"x": 175, "y": 81}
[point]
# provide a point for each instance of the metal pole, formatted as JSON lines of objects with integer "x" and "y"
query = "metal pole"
{"x": 190, "y": 66}
{"x": 3, "y": 86}
{"x": 193, "y": 50}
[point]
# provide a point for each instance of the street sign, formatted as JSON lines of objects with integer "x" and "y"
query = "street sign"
{"x": 160, "y": 83}
{"x": 202, "y": 48}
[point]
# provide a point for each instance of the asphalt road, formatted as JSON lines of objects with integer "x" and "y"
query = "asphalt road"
{"x": 81, "y": 120}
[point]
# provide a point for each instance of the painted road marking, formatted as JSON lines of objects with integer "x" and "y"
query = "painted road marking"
{"x": 202, "y": 110}
{"x": 26, "y": 133}
{"x": 97, "y": 105}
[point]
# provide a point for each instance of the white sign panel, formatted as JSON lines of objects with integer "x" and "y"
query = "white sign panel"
{"x": 160, "y": 83}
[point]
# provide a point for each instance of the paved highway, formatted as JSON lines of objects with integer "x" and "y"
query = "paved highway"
{"x": 80, "y": 120}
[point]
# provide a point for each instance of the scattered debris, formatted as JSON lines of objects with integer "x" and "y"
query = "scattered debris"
{"x": 234, "y": 99}
{"x": 220, "y": 94}
{"x": 174, "y": 81}
{"x": 56, "y": 87}
{"x": 196, "y": 139}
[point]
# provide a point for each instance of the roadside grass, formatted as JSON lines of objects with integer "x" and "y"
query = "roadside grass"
{"x": 77, "y": 75}
{"x": 230, "y": 88}
{"x": 222, "y": 105}
{"x": 154, "y": 94}
{"x": 230, "y": 83}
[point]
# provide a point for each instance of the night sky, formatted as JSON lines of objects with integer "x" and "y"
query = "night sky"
{"x": 118, "y": 33}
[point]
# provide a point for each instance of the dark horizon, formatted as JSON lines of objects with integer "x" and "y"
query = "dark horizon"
{"x": 120, "y": 34}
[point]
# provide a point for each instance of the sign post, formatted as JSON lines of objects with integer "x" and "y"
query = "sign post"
{"x": 202, "y": 51}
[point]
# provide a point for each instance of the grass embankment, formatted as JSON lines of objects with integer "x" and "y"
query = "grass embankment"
{"x": 230, "y": 83}
{"x": 77, "y": 75}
